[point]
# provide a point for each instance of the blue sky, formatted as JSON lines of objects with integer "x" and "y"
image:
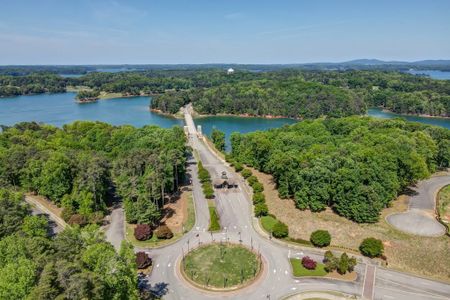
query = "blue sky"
{"x": 221, "y": 31}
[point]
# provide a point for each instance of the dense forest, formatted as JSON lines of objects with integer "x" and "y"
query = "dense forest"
{"x": 31, "y": 84}
{"x": 355, "y": 165}
{"x": 287, "y": 92}
{"x": 76, "y": 264}
{"x": 83, "y": 165}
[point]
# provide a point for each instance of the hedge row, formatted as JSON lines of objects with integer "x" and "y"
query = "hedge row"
{"x": 205, "y": 179}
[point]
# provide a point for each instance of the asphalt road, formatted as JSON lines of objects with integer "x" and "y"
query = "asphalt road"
{"x": 420, "y": 219}
{"x": 276, "y": 281}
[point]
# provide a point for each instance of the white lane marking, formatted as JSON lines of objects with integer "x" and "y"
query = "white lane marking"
{"x": 389, "y": 296}
{"x": 294, "y": 288}
{"x": 297, "y": 281}
{"x": 286, "y": 272}
{"x": 169, "y": 265}
{"x": 157, "y": 265}
{"x": 274, "y": 271}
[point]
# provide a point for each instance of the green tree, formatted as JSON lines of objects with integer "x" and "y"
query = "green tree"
{"x": 320, "y": 238}
{"x": 35, "y": 226}
{"x": 280, "y": 230}
{"x": 218, "y": 139}
{"x": 371, "y": 247}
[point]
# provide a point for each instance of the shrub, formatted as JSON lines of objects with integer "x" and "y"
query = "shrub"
{"x": 257, "y": 187}
{"x": 309, "y": 263}
{"x": 143, "y": 260}
{"x": 320, "y": 238}
{"x": 280, "y": 230}
{"x": 246, "y": 173}
{"x": 261, "y": 210}
{"x": 67, "y": 213}
{"x": 208, "y": 191}
{"x": 78, "y": 219}
{"x": 203, "y": 175}
{"x": 142, "y": 232}
{"x": 251, "y": 180}
{"x": 238, "y": 166}
{"x": 371, "y": 247}
{"x": 331, "y": 262}
{"x": 258, "y": 198}
{"x": 164, "y": 232}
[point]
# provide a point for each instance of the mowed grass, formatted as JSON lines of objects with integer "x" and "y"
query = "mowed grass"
{"x": 444, "y": 205}
{"x": 267, "y": 222}
{"x": 190, "y": 214}
{"x": 221, "y": 265}
{"x": 299, "y": 270}
{"x": 214, "y": 223}
{"x": 426, "y": 256}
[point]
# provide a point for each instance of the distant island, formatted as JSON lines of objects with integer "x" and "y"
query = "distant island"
{"x": 87, "y": 96}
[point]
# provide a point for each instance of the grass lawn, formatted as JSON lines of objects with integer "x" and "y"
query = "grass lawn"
{"x": 444, "y": 205}
{"x": 298, "y": 270}
{"x": 221, "y": 265}
{"x": 190, "y": 214}
{"x": 153, "y": 242}
{"x": 214, "y": 223}
{"x": 267, "y": 222}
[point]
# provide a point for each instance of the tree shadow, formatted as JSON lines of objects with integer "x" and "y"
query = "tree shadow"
{"x": 408, "y": 191}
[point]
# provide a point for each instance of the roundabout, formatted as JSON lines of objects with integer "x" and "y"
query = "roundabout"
{"x": 221, "y": 267}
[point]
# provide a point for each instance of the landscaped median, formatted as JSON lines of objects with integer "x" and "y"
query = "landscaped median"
{"x": 150, "y": 237}
{"x": 221, "y": 266}
{"x": 335, "y": 267}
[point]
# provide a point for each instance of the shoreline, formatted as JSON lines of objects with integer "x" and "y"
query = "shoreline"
{"x": 411, "y": 115}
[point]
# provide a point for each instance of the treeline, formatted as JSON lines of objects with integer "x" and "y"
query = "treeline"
{"x": 76, "y": 264}
{"x": 355, "y": 165}
{"x": 288, "y": 98}
{"x": 308, "y": 94}
{"x": 83, "y": 165}
{"x": 286, "y": 92}
{"x": 31, "y": 84}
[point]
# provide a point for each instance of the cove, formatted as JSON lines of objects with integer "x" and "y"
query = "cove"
{"x": 379, "y": 113}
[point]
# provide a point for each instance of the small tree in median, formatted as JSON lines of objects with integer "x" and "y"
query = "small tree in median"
{"x": 320, "y": 238}
{"x": 371, "y": 247}
{"x": 280, "y": 230}
{"x": 309, "y": 263}
{"x": 142, "y": 232}
{"x": 261, "y": 210}
{"x": 143, "y": 260}
{"x": 246, "y": 173}
{"x": 258, "y": 198}
{"x": 164, "y": 232}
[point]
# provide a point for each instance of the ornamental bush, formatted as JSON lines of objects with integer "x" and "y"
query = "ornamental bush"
{"x": 238, "y": 166}
{"x": 261, "y": 210}
{"x": 280, "y": 230}
{"x": 142, "y": 232}
{"x": 309, "y": 263}
{"x": 257, "y": 187}
{"x": 251, "y": 180}
{"x": 143, "y": 260}
{"x": 246, "y": 173}
{"x": 371, "y": 247}
{"x": 258, "y": 198}
{"x": 163, "y": 232}
{"x": 320, "y": 238}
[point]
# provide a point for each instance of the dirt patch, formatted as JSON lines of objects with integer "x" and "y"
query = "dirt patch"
{"x": 345, "y": 277}
{"x": 427, "y": 256}
{"x": 175, "y": 212}
{"x": 47, "y": 204}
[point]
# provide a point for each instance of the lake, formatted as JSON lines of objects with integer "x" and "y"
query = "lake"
{"x": 59, "y": 109}
{"x": 441, "y": 75}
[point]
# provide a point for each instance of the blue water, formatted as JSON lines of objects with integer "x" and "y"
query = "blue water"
{"x": 59, "y": 109}
{"x": 379, "y": 113}
{"x": 230, "y": 124}
{"x": 441, "y": 75}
